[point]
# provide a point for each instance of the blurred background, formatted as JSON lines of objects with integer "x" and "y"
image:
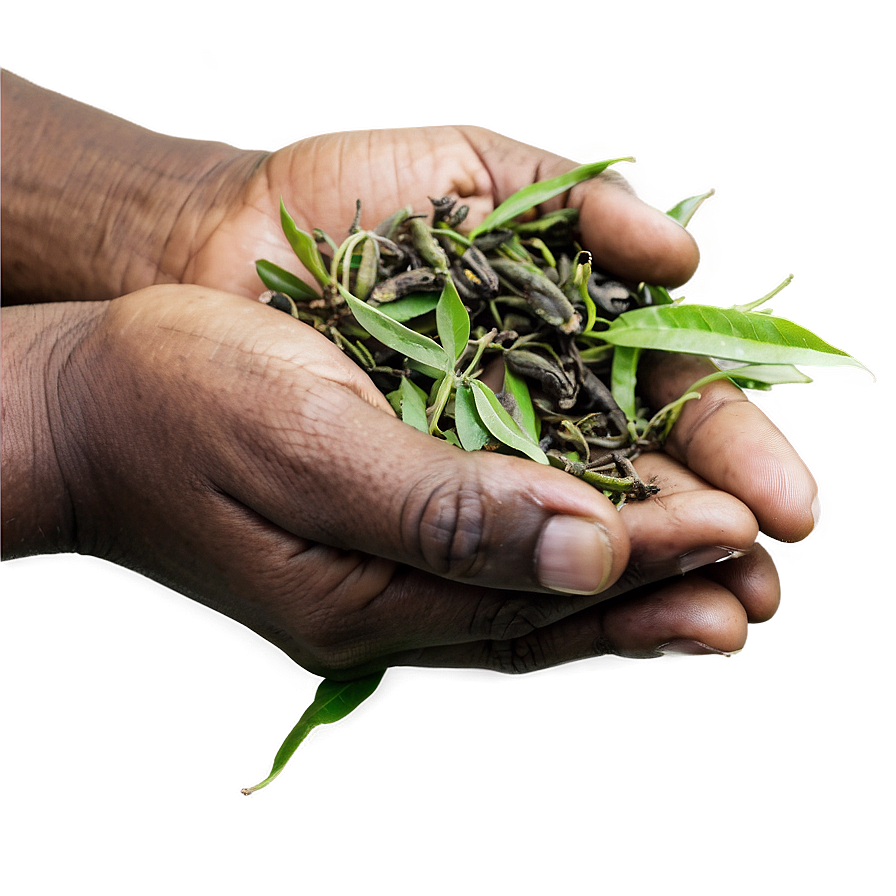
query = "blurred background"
{"x": 133, "y": 716}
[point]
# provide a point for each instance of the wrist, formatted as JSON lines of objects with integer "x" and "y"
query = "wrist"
{"x": 38, "y": 340}
{"x": 94, "y": 206}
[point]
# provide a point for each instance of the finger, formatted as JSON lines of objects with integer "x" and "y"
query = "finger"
{"x": 691, "y": 614}
{"x": 347, "y": 611}
{"x": 754, "y": 579}
{"x": 628, "y": 237}
{"x": 727, "y": 440}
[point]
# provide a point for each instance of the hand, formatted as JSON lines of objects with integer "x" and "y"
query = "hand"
{"x": 321, "y": 178}
{"x": 224, "y": 449}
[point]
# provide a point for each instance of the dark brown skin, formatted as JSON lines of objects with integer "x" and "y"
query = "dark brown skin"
{"x": 173, "y": 426}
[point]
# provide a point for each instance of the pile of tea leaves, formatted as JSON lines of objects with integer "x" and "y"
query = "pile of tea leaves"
{"x": 507, "y": 337}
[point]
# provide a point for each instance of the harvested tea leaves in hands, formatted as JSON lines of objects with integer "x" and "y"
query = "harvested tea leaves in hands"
{"x": 571, "y": 336}
{"x": 433, "y": 313}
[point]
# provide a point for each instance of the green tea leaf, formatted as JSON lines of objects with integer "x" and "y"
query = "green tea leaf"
{"x": 365, "y": 278}
{"x": 412, "y": 405}
{"x": 333, "y": 701}
{"x": 396, "y": 335}
{"x": 501, "y": 425}
{"x": 624, "y": 377}
{"x": 517, "y": 387}
{"x": 279, "y": 280}
{"x": 754, "y": 376}
{"x": 471, "y": 431}
{"x": 748, "y": 337}
{"x": 409, "y": 307}
{"x": 452, "y": 321}
{"x": 655, "y": 295}
{"x": 684, "y": 211}
{"x": 534, "y": 194}
{"x": 305, "y": 247}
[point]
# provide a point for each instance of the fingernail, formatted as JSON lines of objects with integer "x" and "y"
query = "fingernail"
{"x": 573, "y": 555}
{"x": 689, "y": 647}
{"x": 704, "y": 556}
{"x": 816, "y": 511}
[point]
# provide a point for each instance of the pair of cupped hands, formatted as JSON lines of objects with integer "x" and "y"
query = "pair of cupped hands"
{"x": 237, "y": 456}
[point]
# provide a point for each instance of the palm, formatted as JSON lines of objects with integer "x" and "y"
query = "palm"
{"x": 321, "y": 179}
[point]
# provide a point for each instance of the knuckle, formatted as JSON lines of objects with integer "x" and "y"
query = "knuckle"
{"x": 445, "y": 524}
{"x": 508, "y": 619}
{"x": 518, "y": 656}
{"x": 712, "y": 404}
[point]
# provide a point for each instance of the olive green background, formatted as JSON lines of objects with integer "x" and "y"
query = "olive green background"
{"x": 133, "y": 717}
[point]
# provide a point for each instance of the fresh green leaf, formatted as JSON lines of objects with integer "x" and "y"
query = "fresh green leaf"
{"x": 655, "y": 295}
{"x": 684, "y": 211}
{"x": 471, "y": 431}
{"x": 517, "y": 387}
{"x": 412, "y": 405}
{"x": 365, "y": 278}
{"x": 623, "y": 378}
{"x": 279, "y": 280}
{"x": 764, "y": 376}
{"x": 305, "y": 247}
{"x": 583, "y": 276}
{"x": 396, "y": 335}
{"x": 748, "y": 337}
{"x": 409, "y": 307}
{"x": 333, "y": 701}
{"x": 452, "y": 321}
{"x": 534, "y": 194}
{"x": 501, "y": 425}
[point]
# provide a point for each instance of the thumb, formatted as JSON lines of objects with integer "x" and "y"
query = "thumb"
{"x": 351, "y": 475}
